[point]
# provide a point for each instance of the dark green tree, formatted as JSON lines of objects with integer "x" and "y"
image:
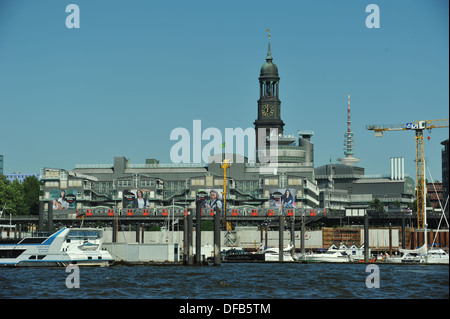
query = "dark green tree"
{"x": 207, "y": 225}
{"x": 377, "y": 205}
{"x": 31, "y": 189}
{"x": 12, "y": 194}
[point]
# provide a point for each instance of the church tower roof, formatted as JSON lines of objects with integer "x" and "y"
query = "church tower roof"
{"x": 269, "y": 69}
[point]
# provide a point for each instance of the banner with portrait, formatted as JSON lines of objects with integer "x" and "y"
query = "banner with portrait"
{"x": 63, "y": 199}
{"x": 136, "y": 198}
{"x": 211, "y": 197}
{"x": 282, "y": 198}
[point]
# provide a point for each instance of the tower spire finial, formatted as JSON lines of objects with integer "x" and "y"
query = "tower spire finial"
{"x": 269, "y": 53}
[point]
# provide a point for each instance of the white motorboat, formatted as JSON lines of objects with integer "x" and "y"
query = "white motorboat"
{"x": 420, "y": 256}
{"x": 332, "y": 255}
{"x": 273, "y": 254}
{"x": 413, "y": 258}
{"x": 437, "y": 256}
{"x": 80, "y": 246}
{"x": 408, "y": 256}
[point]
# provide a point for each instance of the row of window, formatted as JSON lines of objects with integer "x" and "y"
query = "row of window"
{"x": 208, "y": 181}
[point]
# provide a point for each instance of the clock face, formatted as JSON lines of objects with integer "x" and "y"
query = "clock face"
{"x": 267, "y": 110}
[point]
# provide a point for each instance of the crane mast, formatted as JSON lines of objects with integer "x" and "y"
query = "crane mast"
{"x": 417, "y": 126}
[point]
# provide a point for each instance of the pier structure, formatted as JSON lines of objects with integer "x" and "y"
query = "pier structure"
{"x": 124, "y": 195}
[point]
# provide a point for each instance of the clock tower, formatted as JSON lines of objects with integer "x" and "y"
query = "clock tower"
{"x": 269, "y": 104}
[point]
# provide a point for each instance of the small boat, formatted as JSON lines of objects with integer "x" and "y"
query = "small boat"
{"x": 332, "y": 255}
{"x": 80, "y": 246}
{"x": 408, "y": 256}
{"x": 437, "y": 256}
{"x": 239, "y": 255}
{"x": 273, "y": 254}
{"x": 88, "y": 246}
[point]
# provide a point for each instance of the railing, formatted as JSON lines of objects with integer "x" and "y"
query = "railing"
{"x": 94, "y": 165}
{"x": 371, "y": 176}
{"x": 189, "y": 165}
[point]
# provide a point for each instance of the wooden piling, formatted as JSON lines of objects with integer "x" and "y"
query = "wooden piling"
{"x": 403, "y": 233}
{"x": 190, "y": 239}
{"x": 366, "y": 238}
{"x": 50, "y": 217}
{"x": 198, "y": 232}
{"x": 280, "y": 237}
{"x": 185, "y": 240}
{"x": 293, "y": 236}
{"x": 217, "y": 258}
{"x": 137, "y": 233}
{"x": 302, "y": 235}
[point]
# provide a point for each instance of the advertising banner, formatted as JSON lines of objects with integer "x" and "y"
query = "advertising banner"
{"x": 282, "y": 198}
{"x": 136, "y": 198}
{"x": 63, "y": 199}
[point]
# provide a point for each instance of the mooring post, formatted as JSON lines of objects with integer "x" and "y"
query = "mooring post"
{"x": 403, "y": 233}
{"x": 293, "y": 236}
{"x": 198, "y": 231}
{"x": 50, "y": 217}
{"x": 137, "y": 233}
{"x": 217, "y": 213}
{"x": 266, "y": 240}
{"x": 280, "y": 237}
{"x": 41, "y": 216}
{"x": 302, "y": 235}
{"x": 262, "y": 233}
{"x": 185, "y": 240}
{"x": 390, "y": 239}
{"x": 190, "y": 239}
{"x": 366, "y": 238}
{"x": 114, "y": 232}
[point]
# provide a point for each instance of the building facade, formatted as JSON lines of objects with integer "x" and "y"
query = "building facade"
{"x": 20, "y": 177}
{"x": 285, "y": 181}
{"x": 435, "y": 196}
{"x": 342, "y": 186}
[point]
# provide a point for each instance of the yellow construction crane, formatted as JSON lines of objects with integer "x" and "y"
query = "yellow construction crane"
{"x": 417, "y": 126}
{"x": 225, "y": 165}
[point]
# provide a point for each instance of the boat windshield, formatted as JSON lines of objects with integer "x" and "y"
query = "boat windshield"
{"x": 82, "y": 234}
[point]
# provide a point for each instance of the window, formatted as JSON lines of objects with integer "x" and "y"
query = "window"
{"x": 294, "y": 181}
{"x": 147, "y": 183}
{"x": 11, "y": 253}
{"x": 271, "y": 182}
{"x": 124, "y": 183}
{"x": 209, "y": 181}
{"x": 51, "y": 184}
{"x": 282, "y": 179}
{"x": 197, "y": 182}
{"x": 75, "y": 183}
{"x": 51, "y": 173}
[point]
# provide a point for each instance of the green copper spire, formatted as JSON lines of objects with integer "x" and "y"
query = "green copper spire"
{"x": 269, "y": 69}
{"x": 269, "y": 53}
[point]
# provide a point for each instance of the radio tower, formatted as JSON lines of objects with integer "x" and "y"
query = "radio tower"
{"x": 348, "y": 142}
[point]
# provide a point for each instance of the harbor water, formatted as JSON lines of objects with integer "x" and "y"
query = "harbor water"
{"x": 229, "y": 281}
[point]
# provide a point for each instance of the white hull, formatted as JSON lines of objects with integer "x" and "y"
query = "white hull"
{"x": 325, "y": 259}
{"x": 437, "y": 256}
{"x": 276, "y": 257}
{"x": 418, "y": 256}
{"x": 60, "y": 249}
{"x": 330, "y": 256}
{"x": 273, "y": 254}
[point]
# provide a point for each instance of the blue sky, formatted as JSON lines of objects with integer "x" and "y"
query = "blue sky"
{"x": 135, "y": 70}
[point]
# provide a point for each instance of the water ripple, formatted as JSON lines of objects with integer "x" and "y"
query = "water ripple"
{"x": 230, "y": 281}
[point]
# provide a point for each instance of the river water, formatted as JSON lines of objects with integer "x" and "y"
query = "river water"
{"x": 229, "y": 281}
